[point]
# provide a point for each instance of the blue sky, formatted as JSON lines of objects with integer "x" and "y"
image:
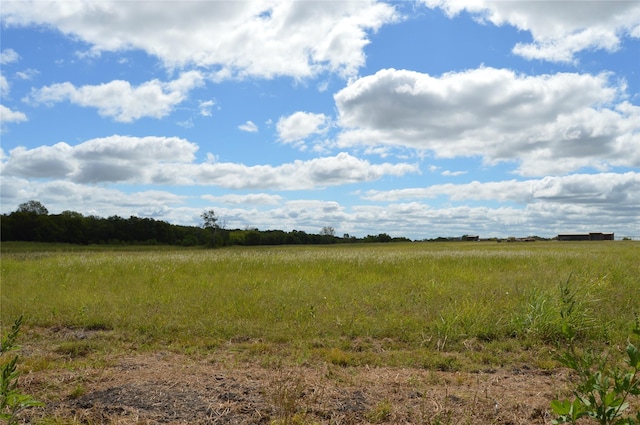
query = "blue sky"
{"x": 418, "y": 119}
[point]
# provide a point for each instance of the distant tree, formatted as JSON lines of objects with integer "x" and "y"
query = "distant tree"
{"x": 382, "y": 237}
{"x": 71, "y": 226}
{"x": 252, "y": 237}
{"x": 71, "y": 214}
{"x": 210, "y": 222}
{"x": 328, "y": 231}
{"x": 34, "y": 207}
{"x": 30, "y": 222}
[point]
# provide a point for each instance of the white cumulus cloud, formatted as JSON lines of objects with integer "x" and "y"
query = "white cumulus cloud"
{"x": 549, "y": 124}
{"x": 244, "y": 38}
{"x": 300, "y": 125}
{"x": 170, "y": 161}
{"x": 612, "y": 190}
{"x": 110, "y": 159}
{"x": 560, "y": 29}
{"x": 7, "y": 115}
{"x": 119, "y": 100}
{"x": 297, "y": 175}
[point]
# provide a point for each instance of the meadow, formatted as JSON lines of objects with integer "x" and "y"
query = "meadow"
{"x": 418, "y": 296}
{"x": 466, "y": 306}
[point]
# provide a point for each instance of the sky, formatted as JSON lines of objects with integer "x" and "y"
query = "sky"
{"x": 417, "y": 118}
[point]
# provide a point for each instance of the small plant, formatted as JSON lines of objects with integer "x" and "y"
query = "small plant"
{"x": 285, "y": 397}
{"x": 381, "y": 413}
{"x": 602, "y": 391}
{"x": 12, "y": 401}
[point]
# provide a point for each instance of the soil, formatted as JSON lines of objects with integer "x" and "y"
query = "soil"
{"x": 169, "y": 388}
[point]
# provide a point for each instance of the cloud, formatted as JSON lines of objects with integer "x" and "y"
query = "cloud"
{"x": 205, "y": 108}
{"x": 60, "y": 195}
{"x": 236, "y": 39}
{"x": 300, "y": 125}
{"x": 550, "y": 124}
{"x": 453, "y": 173}
{"x": 559, "y": 29}
{"x": 548, "y": 206}
{"x": 119, "y": 100}
{"x": 423, "y": 220}
{"x": 7, "y": 115}
{"x": 248, "y": 199}
{"x": 4, "y": 86}
{"x": 169, "y": 161}
{"x": 312, "y": 174}
{"x": 110, "y": 159}
{"x": 249, "y": 126}
{"x": 27, "y": 74}
{"x": 579, "y": 203}
{"x": 8, "y": 56}
{"x": 615, "y": 191}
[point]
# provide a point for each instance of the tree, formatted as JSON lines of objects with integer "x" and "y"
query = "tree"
{"x": 31, "y": 222}
{"x": 210, "y": 222}
{"x": 33, "y": 207}
{"x": 328, "y": 231}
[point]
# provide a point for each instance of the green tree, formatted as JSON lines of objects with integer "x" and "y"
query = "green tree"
{"x": 211, "y": 222}
{"x": 34, "y": 207}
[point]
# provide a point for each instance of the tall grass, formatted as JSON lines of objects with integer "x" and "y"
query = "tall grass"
{"x": 408, "y": 296}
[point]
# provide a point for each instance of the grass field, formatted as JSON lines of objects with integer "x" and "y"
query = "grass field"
{"x": 447, "y": 307}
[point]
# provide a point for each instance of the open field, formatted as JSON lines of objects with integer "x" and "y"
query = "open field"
{"x": 412, "y": 333}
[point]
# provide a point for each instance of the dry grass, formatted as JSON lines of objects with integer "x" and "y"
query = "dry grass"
{"x": 170, "y": 388}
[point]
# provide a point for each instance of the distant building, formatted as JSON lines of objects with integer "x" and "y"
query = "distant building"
{"x": 594, "y": 236}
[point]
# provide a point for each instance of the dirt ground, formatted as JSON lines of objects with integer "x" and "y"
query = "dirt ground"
{"x": 168, "y": 388}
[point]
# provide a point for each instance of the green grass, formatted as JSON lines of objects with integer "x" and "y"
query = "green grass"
{"x": 442, "y": 305}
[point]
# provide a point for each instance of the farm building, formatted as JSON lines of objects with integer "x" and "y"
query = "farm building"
{"x": 595, "y": 236}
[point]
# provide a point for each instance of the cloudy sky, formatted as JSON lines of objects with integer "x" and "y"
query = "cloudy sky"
{"x": 420, "y": 119}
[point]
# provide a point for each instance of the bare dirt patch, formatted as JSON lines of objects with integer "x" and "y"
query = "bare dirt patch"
{"x": 167, "y": 388}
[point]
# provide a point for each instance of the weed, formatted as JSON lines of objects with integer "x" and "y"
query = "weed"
{"x": 602, "y": 390}
{"x": 380, "y": 413}
{"x": 78, "y": 391}
{"x": 285, "y": 397}
{"x": 12, "y": 401}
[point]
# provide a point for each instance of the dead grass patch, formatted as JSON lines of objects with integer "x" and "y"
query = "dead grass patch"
{"x": 169, "y": 388}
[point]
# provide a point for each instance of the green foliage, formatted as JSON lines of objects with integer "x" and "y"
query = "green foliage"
{"x": 12, "y": 401}
{"x": 603, "y": 389}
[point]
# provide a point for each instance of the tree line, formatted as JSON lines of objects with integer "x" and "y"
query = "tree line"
{"x": 32, "y": 222}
